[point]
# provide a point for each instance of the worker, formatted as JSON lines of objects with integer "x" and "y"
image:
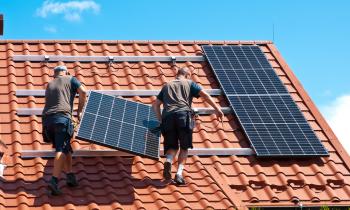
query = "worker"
{"x": 58, "y": 123}
{"x": 177, "y": 119}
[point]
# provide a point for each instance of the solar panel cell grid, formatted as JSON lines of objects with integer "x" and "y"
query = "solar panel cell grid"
{"x": 266, "y": 109}
{"x": 120, "y": 124}
{"x": 251, "y": 70}
{"x": 272, "y": 121}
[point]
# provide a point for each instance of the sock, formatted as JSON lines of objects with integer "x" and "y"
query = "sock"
{"x": 54, "y": 179}
{"x": 169, "y": 158}
{"x": 180, "y": 169}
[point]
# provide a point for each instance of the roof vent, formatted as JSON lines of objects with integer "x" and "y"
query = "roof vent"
{"x": 257, "y": 184}
{"x": 296, "y": 183}
{"x": 334, "y": 183}
{"x": 317, "y": 188}
{"x": 278, "y": 188}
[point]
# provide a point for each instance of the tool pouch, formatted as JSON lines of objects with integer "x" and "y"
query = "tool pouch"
{"x": 70, "y": 128}
{"x": 44, "y": 132}
{"x": 191, "y": 120}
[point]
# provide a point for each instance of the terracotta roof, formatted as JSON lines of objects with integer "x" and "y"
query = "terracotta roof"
{"x": 134, "y": 182}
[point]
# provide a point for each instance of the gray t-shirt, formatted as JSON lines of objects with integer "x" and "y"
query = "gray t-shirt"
{"x": 59, "y": 95}
{"x": 177, "y": 95}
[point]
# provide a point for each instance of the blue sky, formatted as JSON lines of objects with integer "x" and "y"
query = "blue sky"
{"x": 311, "y": 35}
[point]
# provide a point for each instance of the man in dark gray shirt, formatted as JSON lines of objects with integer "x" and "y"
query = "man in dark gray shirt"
{"x": 57, "y": 122}
{"x": 177, "y": 121}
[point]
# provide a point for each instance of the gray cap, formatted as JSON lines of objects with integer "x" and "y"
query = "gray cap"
{"x": 60, "y": 68}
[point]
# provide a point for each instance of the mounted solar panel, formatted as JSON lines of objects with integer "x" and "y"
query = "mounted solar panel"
{"x": 243, "y": 70}
{"x": 270, "y": 118}
{"x": 120, "y": 124}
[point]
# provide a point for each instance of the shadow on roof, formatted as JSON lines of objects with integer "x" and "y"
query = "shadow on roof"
{"x": 98, "y": 184}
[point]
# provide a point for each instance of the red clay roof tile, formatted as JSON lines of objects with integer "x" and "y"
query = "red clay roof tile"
{"x": 130, "y": 183}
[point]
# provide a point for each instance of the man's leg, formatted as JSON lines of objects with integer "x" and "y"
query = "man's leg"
{"x": 59, "y": 131}
{"x": 185, "y": 139}
{"x": 181, "y": 165}
{"x": 169, "y": 156}
{"x": 71, "y": 180}
{"x": 170, "y": 145}
{"x": 68, "y": 163}
{"x": 182, "y": 158}
{"x": 58, "y": 164}
{"x": 57, "y": 168}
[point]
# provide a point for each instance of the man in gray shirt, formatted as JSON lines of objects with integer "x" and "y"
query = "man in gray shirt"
{"x": 177, "y": 121}
{"x": 57, "y": 122}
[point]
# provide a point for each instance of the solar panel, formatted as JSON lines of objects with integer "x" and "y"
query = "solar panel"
{"x": 243, "y": 70}
{"x": 120, "y": 124}
{"x": 272, "y": 121}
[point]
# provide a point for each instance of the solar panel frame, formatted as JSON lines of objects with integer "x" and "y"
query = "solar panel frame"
{"x": 101, "y": 126}
{"x": 264, "y": 108}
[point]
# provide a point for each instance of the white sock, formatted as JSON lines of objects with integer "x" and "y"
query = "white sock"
{"x": 169, "y": 158}
{"x": 180, "y": 169}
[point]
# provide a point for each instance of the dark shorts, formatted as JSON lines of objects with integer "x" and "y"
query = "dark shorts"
{"x": 176, "y": 131}
{"x": 60, "y": 135}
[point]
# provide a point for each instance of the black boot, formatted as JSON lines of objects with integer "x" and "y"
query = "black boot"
{"x": 167, "y": 171}
{"x": 179, "y": 180}
{"x": 71, "y": 180}
{"x": 53, "y": 186}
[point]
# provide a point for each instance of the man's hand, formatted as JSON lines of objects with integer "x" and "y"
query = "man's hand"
{"x": 82, "y": 99}
{"x": 208, "y": 99}
{"x": 156, "y": 108}
{"x": 219, "y": 115}
{"x": 79, "y": 116}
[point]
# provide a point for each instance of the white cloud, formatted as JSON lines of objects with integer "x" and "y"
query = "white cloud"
{"x": 71, "y": 10}
{"x": 338, "y": 116}
{"x": 50, "y": 29}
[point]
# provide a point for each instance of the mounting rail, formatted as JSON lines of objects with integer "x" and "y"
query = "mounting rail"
{"x": 38, "y": 111}
{"x": 41, "y": 93}
{"x": 116, "y": 59}
{"x": 110, "y": 152}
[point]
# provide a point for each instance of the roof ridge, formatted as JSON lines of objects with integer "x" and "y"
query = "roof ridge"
{"x": 137, "y": 41}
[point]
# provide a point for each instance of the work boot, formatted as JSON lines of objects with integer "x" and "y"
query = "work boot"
{"x": 179, "y": 180}
{"x": 167, "y": 171}
{"x": 71, "y": 180}
{"x": 53, "y": 187}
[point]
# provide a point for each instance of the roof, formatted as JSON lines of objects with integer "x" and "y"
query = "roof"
{"x": 220, "y": 182}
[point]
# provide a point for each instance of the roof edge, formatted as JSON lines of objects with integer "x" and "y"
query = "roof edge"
{"x": 261, "y": 42}
{"x": 311, "y": 105}
{"x": 289, "y": 204}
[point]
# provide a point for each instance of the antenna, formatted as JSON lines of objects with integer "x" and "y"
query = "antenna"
{"x": 273, "y": 32}
{"x": 1, "y": 24}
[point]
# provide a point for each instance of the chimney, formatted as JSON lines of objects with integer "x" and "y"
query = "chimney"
{"x": 1, "y": 24}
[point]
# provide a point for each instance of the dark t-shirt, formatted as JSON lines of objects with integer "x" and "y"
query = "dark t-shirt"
{"x": 59, "y": 96}
{"x": 177, "y": 95}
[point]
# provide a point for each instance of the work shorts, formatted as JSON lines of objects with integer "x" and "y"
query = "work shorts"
{"x": 59, "y": 134}
{"x": 177, "y": 131}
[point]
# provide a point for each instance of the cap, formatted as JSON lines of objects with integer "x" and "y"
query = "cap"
{"x": 60, "y": 68}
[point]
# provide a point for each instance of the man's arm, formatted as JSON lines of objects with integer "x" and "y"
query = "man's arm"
{"x": 210, "y": 101}
{"x": 82, "y": 100}
{"x": 156, "y": 107}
